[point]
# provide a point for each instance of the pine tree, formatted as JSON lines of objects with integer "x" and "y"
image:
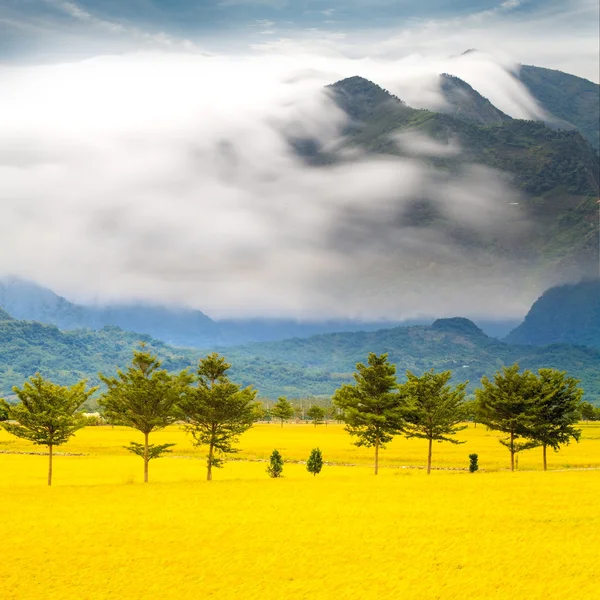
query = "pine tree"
{"x": 507, "y": 405}
{"x": 216, "y": 411}
{"x": 275, "y": 467}
{"x": 372, "y": 408}
{"x": 143, "y": 397}
{"x": 282, "y": 409}
{"x": 436, "y": 410}
{"x": 314, "y": 464}
{"x": 316, "y": 414}
{"x": 555, "y": 411}
{"x": 47, "y": 413}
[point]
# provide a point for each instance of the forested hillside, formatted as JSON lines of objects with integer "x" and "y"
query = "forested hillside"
{"x": 297, "y": 367}
{"x": 566, "y": 314}
{"x": 556, "y": 171}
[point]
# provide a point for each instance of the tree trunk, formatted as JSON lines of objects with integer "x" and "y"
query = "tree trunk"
{"x": 281, "y": 422}
{"x": 545, "y": 463}
{"x": 146, "y": 458}
{"x": 209, "y": 463}
{"x": 49, "y": 464}
{"x": 512, "y": 451}
{"x": 429, "y": 457}
{"x": 377, "y": 455}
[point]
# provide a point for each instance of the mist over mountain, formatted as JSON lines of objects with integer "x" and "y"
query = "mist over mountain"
{"x": 173, "y": 325}
{"x": 571, "y": 101}
{"x": 317, "y": 202}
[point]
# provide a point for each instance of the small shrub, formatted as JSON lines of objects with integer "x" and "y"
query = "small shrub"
{"x": 314, "y": 464}
{"x": 275, "y": 468}
{"x": 474, "y": 463}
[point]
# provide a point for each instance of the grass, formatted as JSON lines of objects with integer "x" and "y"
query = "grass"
{"x": 101, "y": 534}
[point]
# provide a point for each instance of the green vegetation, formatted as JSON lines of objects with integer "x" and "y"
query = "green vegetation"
{"x": 556, "y": 170}
{"x": 282, "y": 409}
{"x": 216, "y": 411}
{"x": 473, "y": 463}
{"x": 143, "y": 397}
{"x": 275, "y": 466}
{"x": 532, "y": 410}
{"x": 316, "y": 414}
{"x": 314, "y": 464}
{"x": 300, "y": 368}
{"x": 47, "y": 413}
{"x": 565, "y": 314}
{"x": 372, "y": 408}
{"x": 574, "y": 100}
{"x": 435, "y": 409}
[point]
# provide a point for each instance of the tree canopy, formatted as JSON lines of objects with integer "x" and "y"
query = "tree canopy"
{"x": 217, "y": 411}
{"x": 373, "y": 410}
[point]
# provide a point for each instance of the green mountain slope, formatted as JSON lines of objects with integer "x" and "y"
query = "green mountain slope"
{"x": 456, "y": 344}
{"x": 567, "y": 97}
{"x": 565, "y": 314}
{"x": 556, "y": 171}
{"x": 298, "y": 367}
{"x": 463, "y": 102}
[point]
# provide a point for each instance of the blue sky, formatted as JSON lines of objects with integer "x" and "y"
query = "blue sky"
{"x": 554, "y": 33}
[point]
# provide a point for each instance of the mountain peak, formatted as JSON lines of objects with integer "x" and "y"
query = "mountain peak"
{"x": 467, "y": 104}
{"x": 563, "y": 314}
{"x": 360, "y": 98}
{"x": 458, "y": 325}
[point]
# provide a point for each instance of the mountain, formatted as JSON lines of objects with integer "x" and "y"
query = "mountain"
{"x": 463, "y": 102}
{"x": 297, "y": 367}
{"x": 556, "y": 171}
{"x": 178, "y": 326}
{"x": 566, "y": 314}
{"x": 571, "y": 100}
{"x": 173, "y": 325}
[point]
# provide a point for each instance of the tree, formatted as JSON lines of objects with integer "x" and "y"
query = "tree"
{"x": 275, "y": 467}
{"x": 372, "y": 408}
{"x": 316, "y": 414}
{"x": 143, "y": 397}
{"x": 47, "y": 413}
{"x": 507, "y": 405}
{"x": 282, "y": 409}
{"x": 314, "y": 464}
{"x": 587, "y": 411}
{"x": 216, "y": 411}
{"x": 436, "y": 410}
{"x": 555, "y": 411}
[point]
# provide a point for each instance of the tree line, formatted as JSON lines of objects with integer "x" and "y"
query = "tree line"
{"x": 530, "y": 409}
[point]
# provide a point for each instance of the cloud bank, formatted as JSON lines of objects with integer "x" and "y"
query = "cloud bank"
{"x": 169, "y": 178}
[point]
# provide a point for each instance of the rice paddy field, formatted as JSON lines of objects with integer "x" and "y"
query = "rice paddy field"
{"x": 100, "y": 533}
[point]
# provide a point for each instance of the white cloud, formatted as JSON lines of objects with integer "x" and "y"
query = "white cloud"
{"x": 160, "y": 39}
{"x": 169, "y": 177}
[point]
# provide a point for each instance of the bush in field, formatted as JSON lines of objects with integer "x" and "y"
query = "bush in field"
{"x": 473, "y": 463}
{"x": 275, "y": 468}
{"x": 314, "y": 464}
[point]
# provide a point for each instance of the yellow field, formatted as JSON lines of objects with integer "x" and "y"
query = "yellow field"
{"x": 99, "y": 533}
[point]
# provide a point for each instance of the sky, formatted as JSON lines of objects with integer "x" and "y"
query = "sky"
{"x": 144, "y": 151}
